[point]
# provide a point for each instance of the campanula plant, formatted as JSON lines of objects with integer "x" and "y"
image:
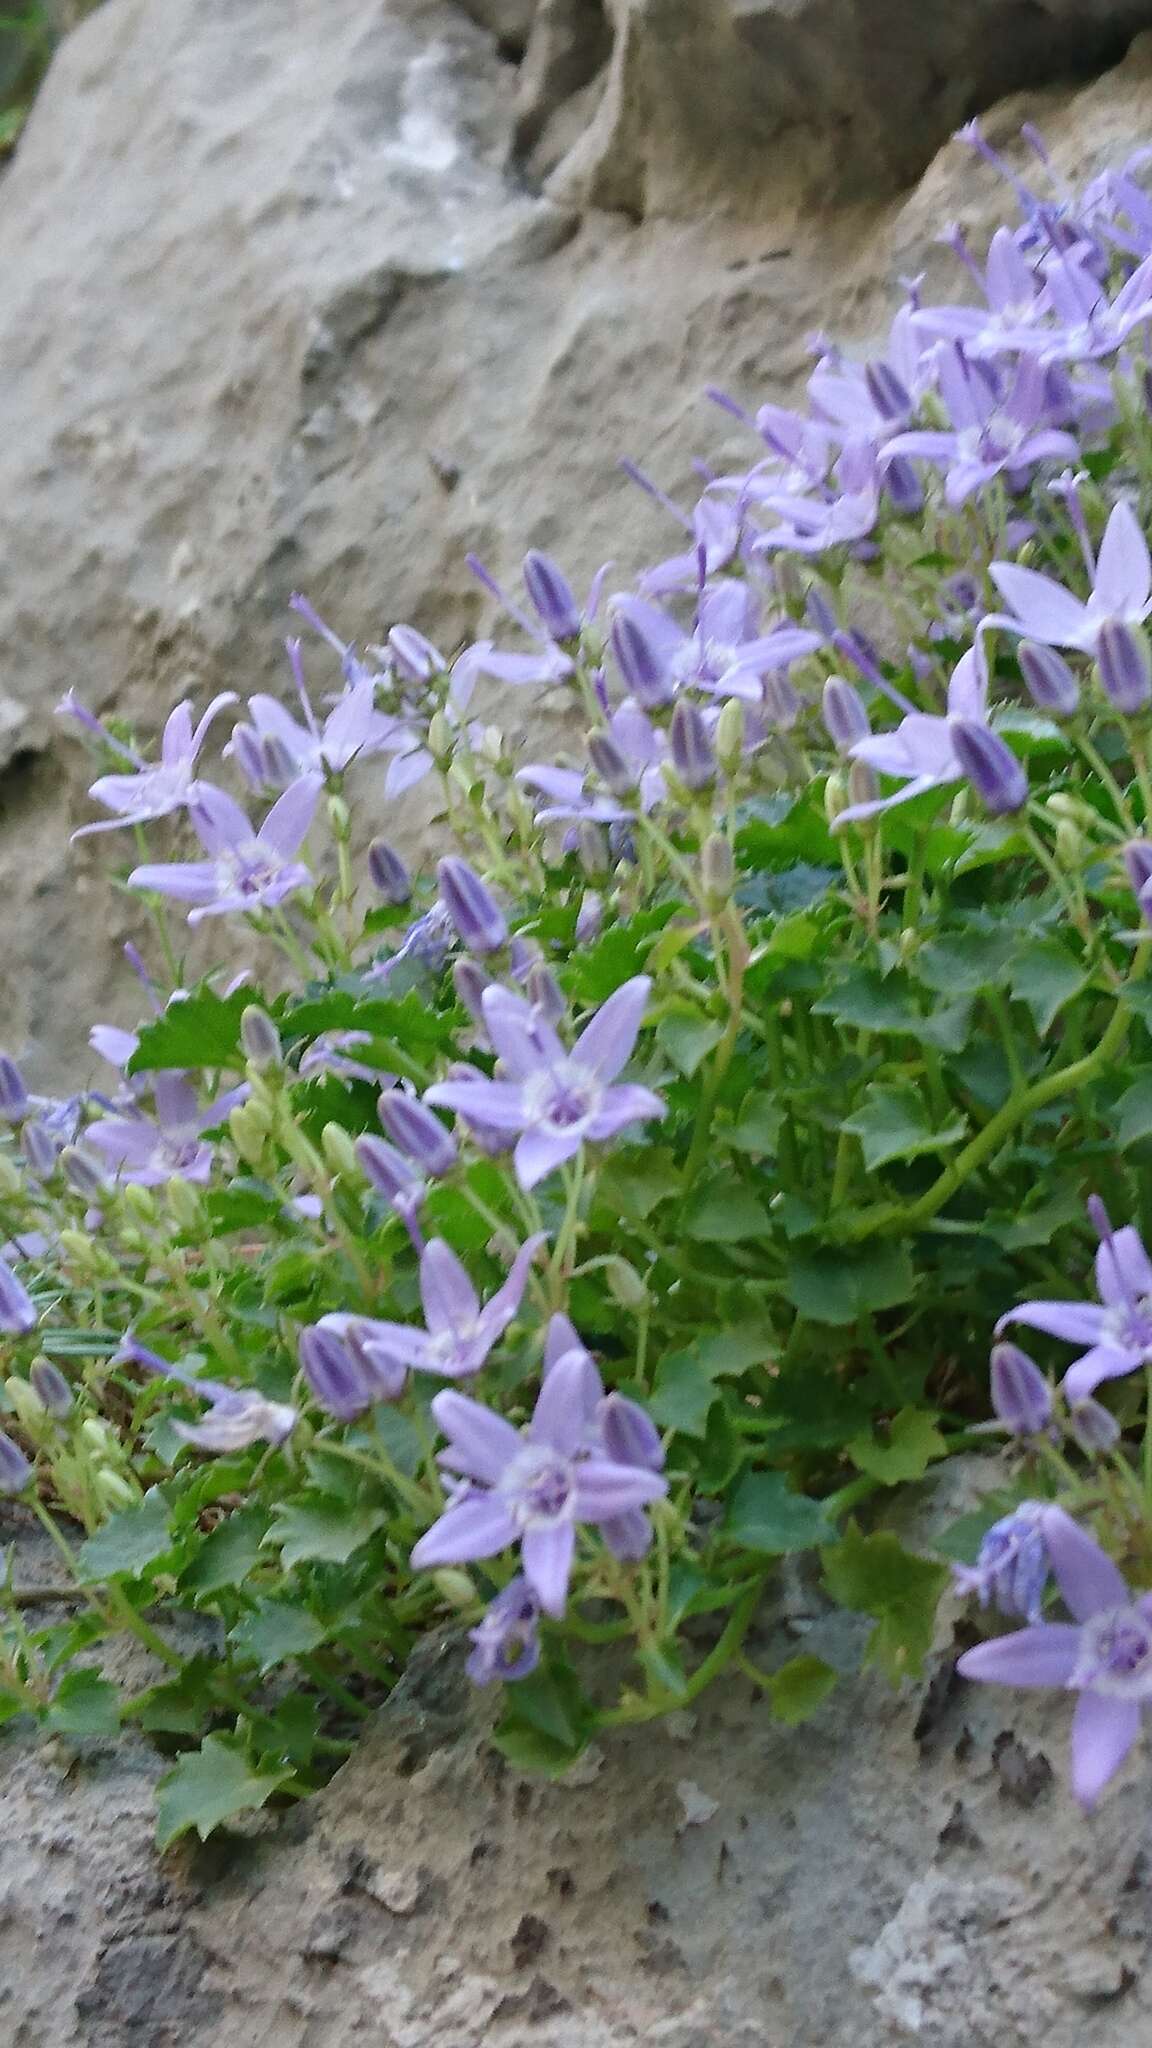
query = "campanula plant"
{"x": 533, "y": 1249}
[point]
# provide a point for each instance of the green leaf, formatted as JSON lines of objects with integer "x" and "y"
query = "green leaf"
{"x": 85, "y": 1705}
{"x": 765, "y": 1515}
{"x": 799, "y": 1687}
{"x": 962, "y": 963}
{"x": 875, "y": 1575}
{"x": 1133, "y": 1112}
{"x": 546, "y": 1721}
{"x": 682, "y": 1395}
{"x": 129, "y": 1542}
{"x": 758, "y": 1130}
{"x": 868, "y": 1001}
{"x": 1045, "y": 976}
{"x": 181, "y": 1705}
{"x": 727, "y": 1213}
{"x": 792, "y": 889}
{"x": 892, "y": 1123}
{"x": 203, "y": 1030}
{"x": 276, "y": 1630}
{"x": 913, "y": 1443}
{"x": 211, "y": 1785}
{"x": 227, "y": 1555}
{"x": 840, "y": 1286}
{"x": 688, "y": 1036}
{"x": 633, "y": 1186}
{"x": 322, "y": 1531}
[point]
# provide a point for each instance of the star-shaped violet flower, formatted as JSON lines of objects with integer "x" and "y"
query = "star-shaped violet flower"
{"x": 236, "y": 1416}
{"x": 1104, "y": 1655}
{"x": 922, "y": 748}
{"x": 1121, "y": 592}
{"x": 1118, "y": 1328}
{"x": 554, "y": 1099}
{"x": 246, "y": 870}
{"x": 532, "y": 1488}
{"x": 459, "y": 1332}
{"x": 147, "y": 1151}
{"x": 156, "y": 790}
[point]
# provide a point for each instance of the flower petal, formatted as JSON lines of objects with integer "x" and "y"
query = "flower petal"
{"x": 451, "y": 1303}
{"x": 524, "y": 1040}
{"x": 605, "y": 1044}
{"x": 604, "y": 1489}
{"x": 1045, "y": 1655}
{"x": 476, "y": 1435}
{"x": 1123, "y": 1268}
{"x": 496, "y": 1314}
{"x": 1078, "y": 1322}
{"x": 1123, "y": 584}
{"x": 1044, "y": 609}
{"x": 560, "y": 1416}
{"x": 547, "y": 1553}
{"x": 1101, "y": 1362}
{"x": 1103, "y": 1731}
{"x": 286, "y": 826}
{"x": 539, "y": 1153}
{"x": 622, "y": 1106}
{"x": 470, "y": 1530}
{"x": 1085, "y": 1574}
{"x": 499, "y": 1103}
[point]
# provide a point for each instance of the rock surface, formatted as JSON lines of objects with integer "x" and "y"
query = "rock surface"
{"x": 286, "y": 305}
{"x": 902, "y": 1870}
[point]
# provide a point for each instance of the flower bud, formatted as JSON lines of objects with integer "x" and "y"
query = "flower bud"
{"x": 339, "y": 1151}
{"x": 990, "y": 766}
{"x": 624, "y": 1283}
{"x": 863, "y": 787}
{"x": 456, "y": 1588}
{"x": 83, "y": 1173}
{"x": 612, "y": 765}
{"x": 640, "y": 662}
{"x": 339, "y": 817}
{"x": 592, "y": 848}
{"x": 717, "y": 870}
{"x": 1094, "y": 1427}
{"x": 39, "y": 1149}
{"x": 387, "y": 1170}
{"x": 693, "y": 757}
{"x": 470, "y": 980}
{"x": 259, "y": 1037}
{"x": 835, "y": 795}
{"x": 545, "y": 992}
{"x": 628, "y": 1433}
{"x": 1051, "y": 684}
{"x": 904, "y": 488}
{"x": 383, "y": 1376}
{"x": 388, "y": 874}
{"x": 781, "y": 703}
{"x": 477, "y": 917}
{"x": 589, "y": 918}
{"x": 335, "y": 1378}
{"x": 1124, "y": 665}
{"x": 249, "y": 1133}
{"x": 10, "y": 1179}
{"x": 845, "y": 719}
{"x": 418, "y": 1132}
{"x": 1021, "y": 1397}
{"x": 50, "y": 1388}
{"x": 17, "y": 1309}
{"x": 141, "y": 1201}
{"x": 13, "y": 1094}
{"x": 15, "y": 1471}
{"x": 551, "y": 595}
{"x": 729, "y": 737}
{"x": 114, "y": 1491}
{"x": 184, "y": 1205}
{"x": 887, "y": 393}
{"x": 1138, "y": 865}
{"x": 26, "y": 1405}
{"x": 100, "y": 1439}
{"x": 415, "y": 657}
{"x": 441, "y": 739}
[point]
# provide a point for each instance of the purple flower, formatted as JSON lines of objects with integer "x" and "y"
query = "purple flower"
{"x": 531, "y": 1488}
{"x": 459, "y": 1333}
{"x": 331, "y": 1053}
{"x": 642, "y": 748}
{"x": 1017, "y": 304}
{"x": 418, "y": 1133}
{"x": 474, "y": 912}
{"x": 236, "y": 1417}
{"x": 809, "y": 526}
{"x": 1122, "y": 590}
{"x": 15, "y": 1471}
{"x": 149, "y": 1150}
{"x": 922, "y": 749}
{"x": 1105, "y": 1655}
{"x": 14, "y": 1098}
{"x": 335, "y": 1372}
{"x": 1011, "y": 1570}
{"x": 1021, "y": 1396}
{"x": 506, "y": 1644}
{"x": 157, "y": 791}
{"x": 992, "y": 432}
{"x": 555, "y": 1100}
{"x": 289, "y": 747}
{"x": 246, "y": 870}
{"x": 17, "y": 1309}
{"x": 1117, "y": 1329}
{"x": 990, "y": 766}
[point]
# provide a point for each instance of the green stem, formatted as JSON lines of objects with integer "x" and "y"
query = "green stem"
{"x": 726, "y": 1649}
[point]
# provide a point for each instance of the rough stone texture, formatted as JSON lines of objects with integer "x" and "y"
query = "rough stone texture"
{"x": 906, "y": 1869}
{"x": 285, "y": 305}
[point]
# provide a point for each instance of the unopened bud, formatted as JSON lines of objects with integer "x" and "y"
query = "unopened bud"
{"x": 259, "y": 1037}
{"x": 83, "y": 1173}
{"x": 51, "y": 1388}
{"x": 26, "y": 1405}
{"x": 589, "y": 918}
{"x": 39, "y": 1149}
{"x": 339, "y": 817}
{"x": 592, "y": 849}
{"x": 418, "y": 1132}
{"x": 81, "y": 1248}
{"x": 1124, "y": 665}
{"x": 905, "y": 491}
{"x": 845, "y": 719}
{"x": 781, "y": 703}
{"x": 470, "y": 980}
{"x": 334, "y": 1375}
{"x": 640, "y": 659}
{"x": 624, "y": 1283}
{"x": 1094, "y": 1427}
{"x": 17, "y": 1309}
{"x": 15, "y": 1471}
{"x": 100, "y": 1438}
{"x": 717, "y": 870}
{"x": 456, "y": 1588}
{"x": 1021, "y": 1397}
{"x": 612, "y": 765}
{"x": 184, "y": 1205}
{"x": 13, "y": 1094}
{"x": 141, "y": 1201}
{"x": 628, "y": 1433}
{"x": 729, "y": 736}
{"x": 479, "y": 921}
{"x": 388, "y": 874}
{"x": 863, "y": 787}
{"x": 10, "y": 1179}
{"x": 835, "y": 795}
{"x": 990, "y": 766}
{"x": 339, "y": 1151}
{"x": 546, "y": 993}
{"x": 388, "y": 1171}
{"x": 1051, "y": 684}
{"x": 441, "y": 738}
{"x": 551, "y": 596}
{"x": 693, "y": 756}
{"x": 248, "y": 1132}
{"x": 114, "y": 1491}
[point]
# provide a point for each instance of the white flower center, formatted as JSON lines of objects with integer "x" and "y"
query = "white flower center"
{"x": 537, "y": 1486}
{"x": 1115, "y": 1655}
{"x": 563, "y": 1099}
